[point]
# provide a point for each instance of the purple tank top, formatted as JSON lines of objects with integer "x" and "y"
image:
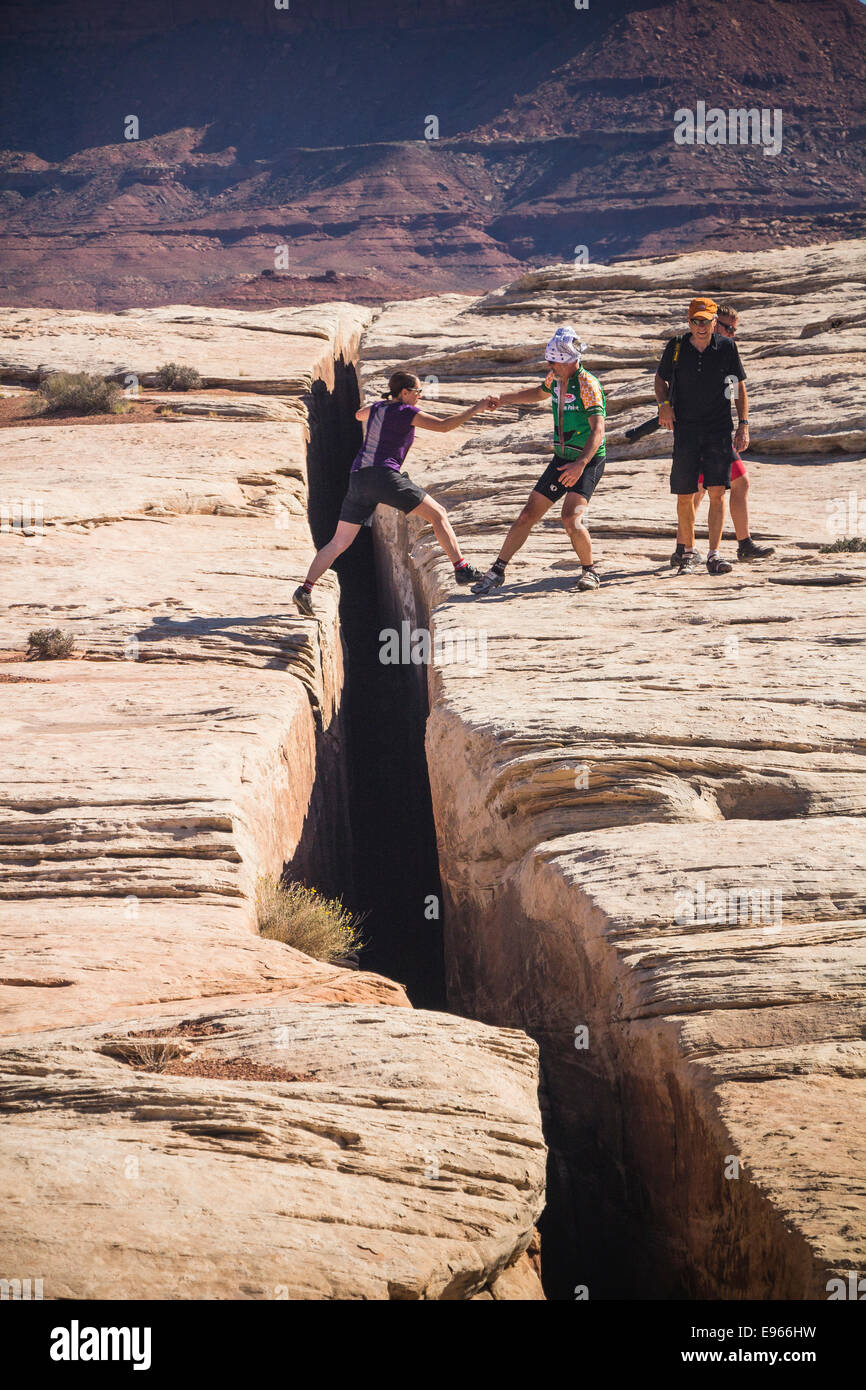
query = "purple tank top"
{"x": 388, "y": 436}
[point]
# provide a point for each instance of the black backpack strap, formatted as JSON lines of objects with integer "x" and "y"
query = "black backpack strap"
{"x": 678, "y": 342}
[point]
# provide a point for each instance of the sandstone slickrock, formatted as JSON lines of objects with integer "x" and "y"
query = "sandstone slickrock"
{"x": 194, "y": 741}
{"x": 624, "y": 764}
{"x": 279, "y": 351}
{"x": 318, "y": 1151}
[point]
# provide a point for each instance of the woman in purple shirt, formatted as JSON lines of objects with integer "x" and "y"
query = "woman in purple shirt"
{"x": 376, "y": 476}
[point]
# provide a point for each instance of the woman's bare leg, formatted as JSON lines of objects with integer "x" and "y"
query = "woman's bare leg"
{"x": 436, "y": 514}
{"x": 341, "y": 540}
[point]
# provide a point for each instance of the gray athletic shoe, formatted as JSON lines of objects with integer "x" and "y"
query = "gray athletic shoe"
{"x": 716, "y": 565}
{"x": 690, "y": 564}
{"x": 588, "y": 580}
{"x": 750, "y": 550}
{"x": 303, "y": 601}
{"x": 488, "y": 582}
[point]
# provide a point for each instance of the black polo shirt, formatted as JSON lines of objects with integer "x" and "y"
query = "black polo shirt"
{"x": 699, "y": 390}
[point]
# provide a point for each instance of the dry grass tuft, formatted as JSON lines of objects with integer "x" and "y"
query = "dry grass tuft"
{"x": 146, "y": 1054}
{"x": 301, "y": 917}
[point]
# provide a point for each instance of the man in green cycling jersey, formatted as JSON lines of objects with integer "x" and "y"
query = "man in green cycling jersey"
{"x": 579, "y": 411}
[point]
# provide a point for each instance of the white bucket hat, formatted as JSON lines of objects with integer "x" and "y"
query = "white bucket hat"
{"x": 564, "y": 346}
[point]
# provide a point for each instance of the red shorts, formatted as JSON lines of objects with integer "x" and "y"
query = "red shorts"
{"x": 738, "y": 470}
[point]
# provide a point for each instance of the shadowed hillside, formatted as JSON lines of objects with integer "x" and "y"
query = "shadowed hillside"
{"x": 263, "y": 128}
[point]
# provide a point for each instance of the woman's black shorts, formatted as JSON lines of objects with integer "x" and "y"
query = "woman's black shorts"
{"x": 550, "y": 486}
{"x": 370, "y": 486}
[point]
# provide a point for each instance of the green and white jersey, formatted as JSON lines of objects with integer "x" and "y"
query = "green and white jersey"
{"x": 574, "y": 405}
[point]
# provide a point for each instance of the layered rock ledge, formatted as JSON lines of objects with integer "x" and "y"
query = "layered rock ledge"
{"x": 157, "y": 1049}
{"x": 620, "y": 763}
{"x": 316, "y": 1151}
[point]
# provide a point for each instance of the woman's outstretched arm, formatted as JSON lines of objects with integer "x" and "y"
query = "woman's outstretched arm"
{"x": 442, "y": 425}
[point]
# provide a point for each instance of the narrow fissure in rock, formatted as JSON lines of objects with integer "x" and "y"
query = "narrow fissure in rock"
{"x": 393, "y": 875}
{"x": 594, "y": 1229}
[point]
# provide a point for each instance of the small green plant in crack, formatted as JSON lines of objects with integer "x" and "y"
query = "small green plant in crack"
{"x": 49, "y": 644}
{"x": 853, "y": 545}
{"x": 302, "y": 917}
{"x": 174, "y": 376}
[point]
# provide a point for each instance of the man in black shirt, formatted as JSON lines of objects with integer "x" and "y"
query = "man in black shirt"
{"x": 695, "y": 381}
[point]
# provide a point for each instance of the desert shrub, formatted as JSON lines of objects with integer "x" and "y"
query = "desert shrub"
{"x": 173, "y": 376}
{"x": 146, "y": 1054}
{"x": 301, "y": 917}
{"x": 49, "y": 644}
{"x": 80, "y": 393}
{"x": 855, "y": 544}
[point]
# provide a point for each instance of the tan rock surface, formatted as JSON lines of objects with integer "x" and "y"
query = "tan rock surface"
{"x": 143, "y": 800}
{"x": 225, "y": 405}
{"x": 626, "y": 312}
{"x": 193, "y": 742}
{"x": 279, "y": 351}
{"x": 621, "y": 753}
{"x": 158, "y": 469}
{"x": 310, "y": 1151}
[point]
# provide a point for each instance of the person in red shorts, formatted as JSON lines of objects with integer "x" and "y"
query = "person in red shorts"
{"x": 726, "y": 323}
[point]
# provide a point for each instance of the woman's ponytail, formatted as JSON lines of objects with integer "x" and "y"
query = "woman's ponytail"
{"x": 397, "y": 382}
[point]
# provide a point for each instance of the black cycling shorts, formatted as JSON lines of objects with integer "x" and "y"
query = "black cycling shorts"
{"x": 374, "y": 484}
{"x": 550, "y": 486}
{"x": 701, "y": 452}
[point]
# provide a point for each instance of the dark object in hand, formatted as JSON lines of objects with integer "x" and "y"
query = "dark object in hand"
{"x": 639, "y": 431}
